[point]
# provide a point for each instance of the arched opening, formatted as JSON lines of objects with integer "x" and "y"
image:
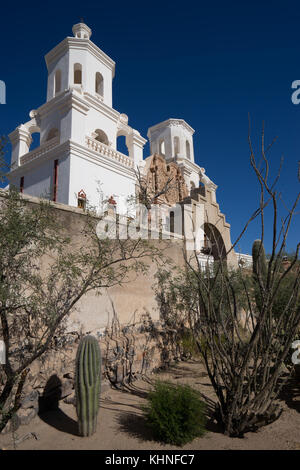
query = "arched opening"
{"x": 172, "y": 225}
{"x": 35, "y": 140}
{"x": 193, "y": 186}
{"x": 52, "y": 134}
{"x": 99, "y": 84}
{"x": 213, "y": 243}
{"x": 176, "y": 146}
{"x": 188, "y": 149}
{"x": 77, "y": 74}
{"x": 162, "y": 150}
{"x": 101, "y": 137}
{"x": 202, "y": 189}
{"x": 57, "y": 82}
{"x": 122, "y": 143}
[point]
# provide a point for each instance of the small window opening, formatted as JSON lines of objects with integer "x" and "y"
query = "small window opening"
{"x": 77, "y": 74}
{"x": 21, "y": 184}
{"x": 57, "y": 82}
{"x": 81, "y": 200}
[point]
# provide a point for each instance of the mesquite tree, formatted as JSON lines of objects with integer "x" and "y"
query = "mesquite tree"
{"x": 43, "y": 275}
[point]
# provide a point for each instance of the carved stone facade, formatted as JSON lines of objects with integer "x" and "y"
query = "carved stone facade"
{"x": 158, "y": 174}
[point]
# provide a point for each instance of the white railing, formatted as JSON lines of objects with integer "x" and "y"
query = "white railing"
{"x": 107, "y": 151}
{"x": 44, "y": 148}
{"x": 245, "y": 260}
{"x": 206, "y": 263}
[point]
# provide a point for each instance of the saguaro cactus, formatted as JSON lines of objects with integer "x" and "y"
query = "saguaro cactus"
{"x": 87, "y": 384}
{"x": 259, "y": 259}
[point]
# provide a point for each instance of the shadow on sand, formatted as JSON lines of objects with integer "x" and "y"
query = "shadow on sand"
{"x": 49, "y": 410}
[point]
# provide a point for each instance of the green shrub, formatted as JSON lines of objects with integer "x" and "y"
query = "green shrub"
{"x": 175, "y": 413}
{"x": 189, "y": 345}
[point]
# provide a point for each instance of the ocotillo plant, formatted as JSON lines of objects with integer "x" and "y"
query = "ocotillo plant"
{"x": 260, "y": 270}
{"x": 87, "y": 384}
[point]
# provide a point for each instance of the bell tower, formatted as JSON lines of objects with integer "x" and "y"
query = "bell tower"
{"x": 77, "y": 63}
{"x": 172, "y": 139}
{"x": 79, "y": 131}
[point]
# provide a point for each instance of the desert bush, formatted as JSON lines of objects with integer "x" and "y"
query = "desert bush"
{"x": 175, "y": 413}
{"x": 188, "y": 345}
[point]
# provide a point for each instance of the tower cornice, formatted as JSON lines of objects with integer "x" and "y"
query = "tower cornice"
{"x": 67, "y": 99}
{"x": 171, "y": 122}
{"x": 78, "y": 43}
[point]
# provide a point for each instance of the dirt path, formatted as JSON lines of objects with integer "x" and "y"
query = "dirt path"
{"x": 121, "y": 425}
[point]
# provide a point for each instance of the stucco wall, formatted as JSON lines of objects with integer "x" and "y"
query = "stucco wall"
{"x": 130, "y": 301}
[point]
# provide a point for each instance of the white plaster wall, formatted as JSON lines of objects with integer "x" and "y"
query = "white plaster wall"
{"x": 184, "y": 135}
{"x": 157, "y": 136}
{"x": 194, "y": 178}
{"x": 63, "y": 64}
{"x": 91, "y": 65}
{"x": 38, "y": 181}
{"x": 97, "y": 120}
{"x": 50, "y": 121}
{"x": 85, "y": 175}
{"x": 63, "y": 179}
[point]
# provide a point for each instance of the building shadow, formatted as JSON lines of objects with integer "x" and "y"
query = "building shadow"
{"x": 49, "y": 410}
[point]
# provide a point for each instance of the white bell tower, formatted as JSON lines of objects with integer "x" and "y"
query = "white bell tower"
{"x": 79, "y": 131}
{"x": 77, "y": 63}
{"x": 173, "y": 139}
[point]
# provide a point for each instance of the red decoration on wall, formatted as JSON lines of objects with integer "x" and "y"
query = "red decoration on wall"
{"x": 112, "y": 201}
{"x": 82, "y": 194}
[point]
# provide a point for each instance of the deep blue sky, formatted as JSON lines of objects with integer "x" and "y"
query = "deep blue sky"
{"x": 210, "y": 63}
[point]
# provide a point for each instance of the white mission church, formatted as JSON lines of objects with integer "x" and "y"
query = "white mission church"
{"x": 78, "y": 161}
{"x": 79, "y": 130}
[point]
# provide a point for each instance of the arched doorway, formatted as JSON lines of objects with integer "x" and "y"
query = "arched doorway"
{"x": 213, "y": 243}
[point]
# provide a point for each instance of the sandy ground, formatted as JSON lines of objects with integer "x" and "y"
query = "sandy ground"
{"x": 121, "y": 425}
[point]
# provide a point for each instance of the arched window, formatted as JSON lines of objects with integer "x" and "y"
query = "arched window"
{"x": 77, "y": 74}
{"x": 35, "y": 140}
{"x": 162, "y": 150}
{"x": 99, "y": 84}
{"x": 176, "y": 146}
{"x": 57, "y": 82}
{"x": 193, "y": 186}
{"x": 122, "y": 143}
{"x": 101, "y": 137}
{"x": 52, "y": 133}
{"x": 188, "y": 149}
